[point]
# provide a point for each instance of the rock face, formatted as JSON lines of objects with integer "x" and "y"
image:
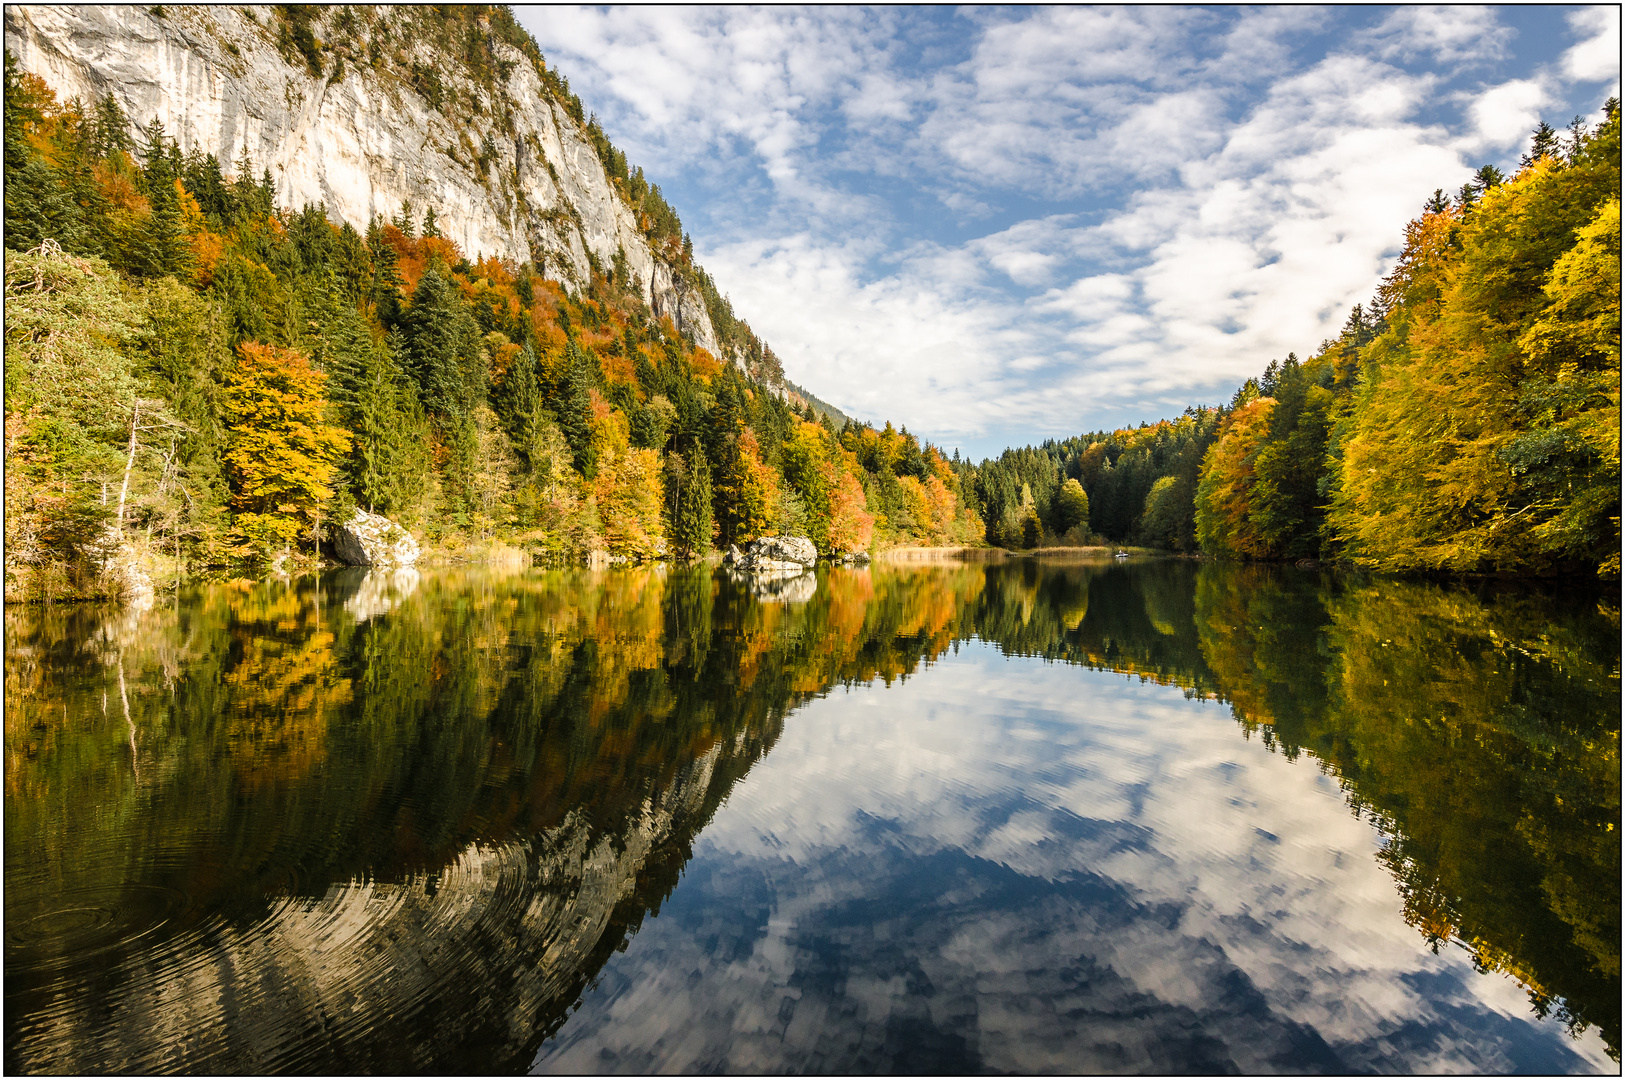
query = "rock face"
{"x": 371, "y": 540}
{"x": 358, "y": 137}
{"x": 773, "y": 553}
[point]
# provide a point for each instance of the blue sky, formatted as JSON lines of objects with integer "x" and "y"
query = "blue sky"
{"x": 999, "y": 225}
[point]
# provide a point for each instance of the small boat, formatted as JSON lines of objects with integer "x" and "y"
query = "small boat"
{"x": 1122, "y": 555}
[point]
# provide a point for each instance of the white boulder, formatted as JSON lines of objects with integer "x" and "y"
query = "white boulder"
{"x": 773, "y": 554}
{"x": 372, "y": 540}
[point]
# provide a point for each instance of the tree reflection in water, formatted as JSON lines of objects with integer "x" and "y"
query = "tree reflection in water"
{"x": 398, "y": 822}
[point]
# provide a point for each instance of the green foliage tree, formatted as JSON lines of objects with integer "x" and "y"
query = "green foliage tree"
{"x": 70, "y": 395}
{"x": 691, "y": 527}
{"x": 1072, "y": 507}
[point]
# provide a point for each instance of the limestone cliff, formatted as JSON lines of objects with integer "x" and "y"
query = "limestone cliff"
{"x": 509, "y": 171}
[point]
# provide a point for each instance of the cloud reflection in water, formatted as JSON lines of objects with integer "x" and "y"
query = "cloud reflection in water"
{"x": 1006, "y": 864}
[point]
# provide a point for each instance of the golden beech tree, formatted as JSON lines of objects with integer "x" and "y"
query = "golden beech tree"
{"x": 1484, "y": 434}
{"x": 628, "y": 492}
{"x": 281, "y": 454}
{"x": 1223, "y": 495}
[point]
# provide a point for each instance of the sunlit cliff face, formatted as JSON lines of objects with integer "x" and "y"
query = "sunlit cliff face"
{"x": 405, "y": 822}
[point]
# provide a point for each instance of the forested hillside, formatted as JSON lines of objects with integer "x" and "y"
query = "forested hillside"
{"x": 198, "y": 378}
{"x": 1466, "y": 420}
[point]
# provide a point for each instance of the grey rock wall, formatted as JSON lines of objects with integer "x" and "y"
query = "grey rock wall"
{"x": 361, "y": 144}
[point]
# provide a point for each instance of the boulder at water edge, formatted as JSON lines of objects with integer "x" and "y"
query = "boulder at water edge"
{"x": 371, "y": 540}
{"x": 773, "y": 553}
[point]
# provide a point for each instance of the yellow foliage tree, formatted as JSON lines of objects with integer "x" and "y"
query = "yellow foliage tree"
{"x": 281, "y": 454}
{"x": 1222, "y": 495}
{"x": 1485, "y": 433}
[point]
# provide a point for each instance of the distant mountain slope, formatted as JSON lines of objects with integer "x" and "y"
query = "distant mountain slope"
{"x": 363, "y": 109}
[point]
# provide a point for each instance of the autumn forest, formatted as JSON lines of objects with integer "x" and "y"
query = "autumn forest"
{"x": 204, "y": 380}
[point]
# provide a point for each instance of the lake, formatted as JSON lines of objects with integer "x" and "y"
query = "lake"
{"x": 1032, "y": 816}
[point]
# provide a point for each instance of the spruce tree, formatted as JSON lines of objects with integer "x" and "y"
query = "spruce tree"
{"x": 39, "y": 208}
{"x": 519, "y": 403}
{"x": 575, "y": 410}
{"x": 436, "y": 334}
{"x": 110, "y": 129}
{"x": 166, "y": 249}
{"x": 691, "y": 531}
{"x": 386, "y": 284}
{"x": 244, "y": 192}
{"x": 1543, "y": 143}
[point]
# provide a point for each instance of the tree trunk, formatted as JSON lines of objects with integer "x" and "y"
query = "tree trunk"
{"x": 129, "y": 463}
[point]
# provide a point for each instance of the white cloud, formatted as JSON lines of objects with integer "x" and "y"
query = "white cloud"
{"x": 1448, "y": 35}
{"x": 1595, "y": 59}
{"x": 1504, "y": 115}
{"x": 1237, "y": 192}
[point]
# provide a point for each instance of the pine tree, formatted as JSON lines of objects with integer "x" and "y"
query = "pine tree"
{"x": 1543, "y": 143}
{"x": 575, "y": 408}
{"x": 691, "y": 530}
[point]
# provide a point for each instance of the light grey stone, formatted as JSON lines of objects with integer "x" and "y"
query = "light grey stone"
{"x": 774, "y": 553}
{"x": 371, "y": 540}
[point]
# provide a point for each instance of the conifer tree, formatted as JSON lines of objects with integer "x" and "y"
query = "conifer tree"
{"x": 110, "y": 129}
{"x": 165, "y": 249}
{"x": 384, "y": 292}
{"x": 1543, "y": 143}
{"x": 691, "y": 530}
{"x": 575, "y": 408}
{"x": 519, "y": 403}
{"x": 441, "y": 347}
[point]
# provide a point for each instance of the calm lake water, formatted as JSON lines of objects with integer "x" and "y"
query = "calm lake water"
{"x": 1032, "y": 817}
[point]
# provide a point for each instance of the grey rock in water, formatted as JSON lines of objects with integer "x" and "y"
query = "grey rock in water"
{"x": 774, "y": 553}
{"x": 362, "y": 141}
{"x": 371, "y": 540}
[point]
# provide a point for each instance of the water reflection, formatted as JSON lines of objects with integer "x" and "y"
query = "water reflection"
{"x": 399, "y": 823}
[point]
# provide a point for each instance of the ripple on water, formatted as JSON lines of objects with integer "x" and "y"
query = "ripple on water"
{"x": 80, "y": 926}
